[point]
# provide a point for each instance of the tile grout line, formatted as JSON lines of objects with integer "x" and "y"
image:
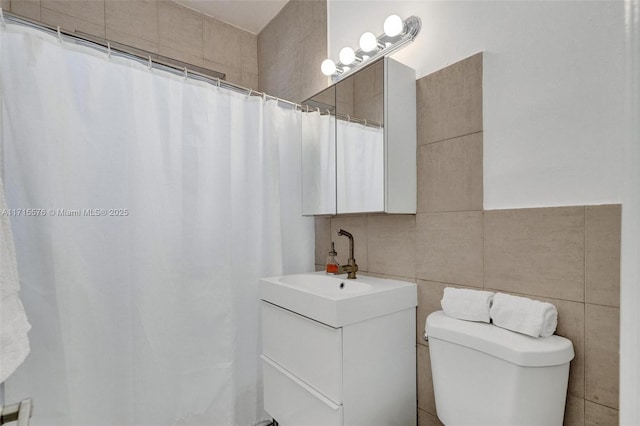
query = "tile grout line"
{"x": 202, "y": 50}
{"x": 366, "y": 234}
{"x": 600, "y": 404}
{"x": 450, "y": 138}
{"x": 453, "y": 211}
{"x": 158, "y": 26}
{"x": 584, "y": 307}
{"x": 483, "y": 249}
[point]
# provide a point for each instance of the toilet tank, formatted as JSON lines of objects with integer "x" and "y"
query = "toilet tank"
{"x": 486, "y": 375}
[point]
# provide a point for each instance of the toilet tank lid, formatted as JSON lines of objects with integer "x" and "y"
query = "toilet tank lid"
{"x": 513, "y": 347}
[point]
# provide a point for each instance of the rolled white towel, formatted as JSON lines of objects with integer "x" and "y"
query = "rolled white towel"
{"x": 465, "y": 304}
{"x": 524, "y": 315}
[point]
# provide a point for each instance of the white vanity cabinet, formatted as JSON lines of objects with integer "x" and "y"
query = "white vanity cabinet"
{"x": 361, "y": 373}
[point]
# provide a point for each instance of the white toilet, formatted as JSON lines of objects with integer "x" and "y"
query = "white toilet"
{"x": 486, "y": 375}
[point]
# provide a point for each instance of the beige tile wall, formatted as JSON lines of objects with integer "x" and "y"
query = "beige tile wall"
{"x": 291, "y": 48}
{"x": 569, "y": 256}
{"x": 157, "y": 26}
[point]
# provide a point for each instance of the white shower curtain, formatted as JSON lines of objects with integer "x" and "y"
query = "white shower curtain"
{"x": 165, "y": 200}
{"x": 360, "y": 168}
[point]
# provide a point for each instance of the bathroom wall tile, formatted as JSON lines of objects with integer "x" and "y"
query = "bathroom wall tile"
{"x": 571, "y": 325}
{"x": 132, "y": 41}
{"x": 250, "y": 80}
{"x": 180, "y": 55}
{"x": 71, "y": 23}
{"x": 289, "y": 65}
{"x": 390, "y": 277}
{"x": 267, "y": 79}
{"x": 137, "y": 18}
{"x": 368, "y": 97}
{"x": 345, "y": 100}
{"x": 602, "y": 228}
{"x": 289, "y": 74}
{"x": 320, "y": 267}
{"x": 391, "y": 244}
{"x": 429, "y": 297}
{"x": 323, "y": 238}
{"x": 266, "y": 44}
{"x": 222, "y": 43}
{"x": 426, "y": 419}
{"x": 574, "y": 411}
{"x": 364, "y": 83}
{"x": 426, "y": 400}
{"x": 248, "y": 51}
{"x": 313, "y": 13}
{"x": 180, "y": 30}
{"x": 449, "y": 101}
{"x": 29, "y": 9}
{"x": 288, "y": 22}
{"x": 5, "y": 5}
{"x": 449, "y": 247}
{"x": 602, "y": 359}
{"x": 87, "y": 10}
{"x": 314, "y": 51}
{"x": 357, "y": 226}
{"x": 599, "y": 415}
{"x": 450, "y": 175}
{"x": 535, "y": 251}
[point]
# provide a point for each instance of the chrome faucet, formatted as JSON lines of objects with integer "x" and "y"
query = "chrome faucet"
{"x": 350, "y": 268}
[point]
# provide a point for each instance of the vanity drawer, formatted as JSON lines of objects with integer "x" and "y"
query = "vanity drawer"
{"x": 293, "y": 403}
{"x": 310, "y": 350}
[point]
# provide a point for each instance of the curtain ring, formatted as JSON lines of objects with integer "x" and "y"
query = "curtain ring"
{"x": 250, "y": 92}
{"x": 150, "y": 63}
{"x": 109, "y": 49}
{"x": 218, "y": 81}
{"x": 1, "y": 16}
{"x": 365, "y": 122}
{"x": 186, "y": 73}
{"x": 348, "y": 118}
{"x": 59, "y": 35}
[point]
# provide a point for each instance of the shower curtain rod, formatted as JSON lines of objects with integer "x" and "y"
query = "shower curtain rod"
{"x": 106, "y": 47}
{"x": 350, "y": 118}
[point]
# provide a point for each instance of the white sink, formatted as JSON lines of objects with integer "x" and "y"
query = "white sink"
{"x": 326, "y": 286}
{"x": 336, "y": 301}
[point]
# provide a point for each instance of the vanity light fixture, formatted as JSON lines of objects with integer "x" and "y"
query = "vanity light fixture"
{"x": 347, "y": 56}
{"x": 368, "y": 42}
{"x": 397, "y": 33}
{"x": 393, "y": 25}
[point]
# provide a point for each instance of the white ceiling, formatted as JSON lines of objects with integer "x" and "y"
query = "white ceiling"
{"x": 250, "y": 15}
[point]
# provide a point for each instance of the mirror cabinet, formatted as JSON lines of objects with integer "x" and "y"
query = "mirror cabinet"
{"x": 359, "y": 143}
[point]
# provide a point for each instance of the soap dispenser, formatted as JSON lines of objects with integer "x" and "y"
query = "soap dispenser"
{"x": 332, "y": 263}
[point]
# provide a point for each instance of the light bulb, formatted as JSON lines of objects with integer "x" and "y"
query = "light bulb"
{"x": 393, "y": 25}
{"x": 347, "y": 55}
{"x": 328, "y": 67}
{"x": 368, "y": 42}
